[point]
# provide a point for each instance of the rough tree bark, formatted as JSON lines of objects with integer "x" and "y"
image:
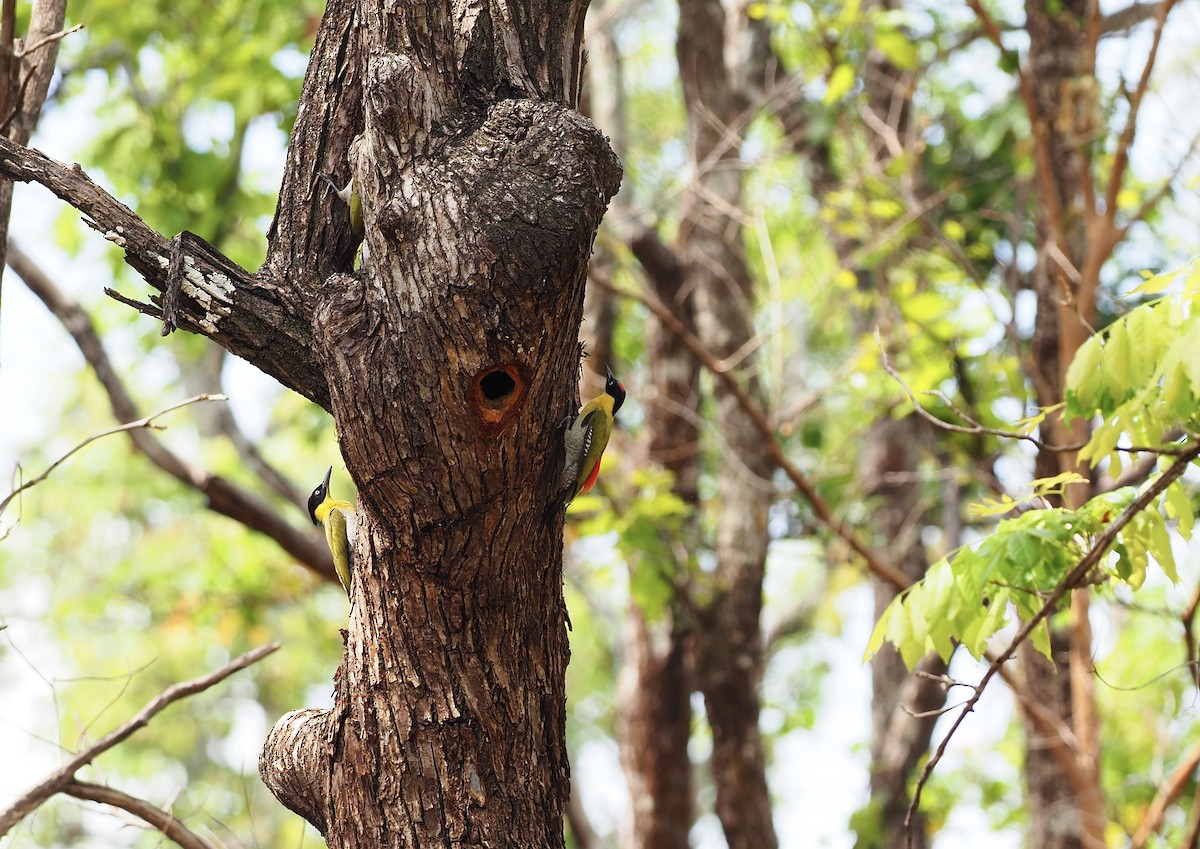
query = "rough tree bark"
{"x": 26, "y": 68}
{"x": 447, "y": 361}
{"x": 903, "y": 704}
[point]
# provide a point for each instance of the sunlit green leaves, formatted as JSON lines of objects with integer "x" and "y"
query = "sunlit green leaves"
{"x": 1141, "y": 374}
{"x": 966, "y": 598}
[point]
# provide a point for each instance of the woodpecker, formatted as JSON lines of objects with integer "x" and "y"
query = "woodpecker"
{"x": 349, "y": 195}
{"x": 585, "y": 437}
{"x": 338, "y": 519}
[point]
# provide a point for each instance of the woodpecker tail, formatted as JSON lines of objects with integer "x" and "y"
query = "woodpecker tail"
{"x": 559, "y": 503}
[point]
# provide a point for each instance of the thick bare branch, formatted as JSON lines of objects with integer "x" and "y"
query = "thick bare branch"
{"x": 38, "y": 56}
{"x": 57, "y": 781}
{"x": 24, "y": 81}
{"x": 140, "y": 808}
{"x": 1170, "y": 790}
{"x": 261, "y": 320}
{"x": 224, "y": 496}
{"x": 1123, "y": 20}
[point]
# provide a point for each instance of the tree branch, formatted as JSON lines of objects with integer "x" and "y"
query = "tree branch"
{"x": 1075, "y": 578}
{"x": 58, "y": 780}
{"x": 262, "y": 320}
{"x": 140, "y": 808}
{"x": 1125, "y": 140}
{"x": 1166, "y": 795}
{"x": 224, "y": 497}
{"x": 821, "y": 510}
{"x": 1122, "y": 21}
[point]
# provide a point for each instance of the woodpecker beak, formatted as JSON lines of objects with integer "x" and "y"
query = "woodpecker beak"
{"x": 608, "y": 371}
{"x": 327, "y": 476}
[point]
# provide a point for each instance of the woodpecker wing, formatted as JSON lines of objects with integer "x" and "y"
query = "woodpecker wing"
{"x": 339, "y": 533}
{"x": 597, "y": 428}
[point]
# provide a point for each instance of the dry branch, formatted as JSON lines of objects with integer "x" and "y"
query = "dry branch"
{"x": 1125, "y": 140}
{"x": 223, "y": 495}
{"x": 58, "y": 780}
{"x": 140, "y": 808}
{"x": 263, "y": 320}
{"x": 1170, "y": 790}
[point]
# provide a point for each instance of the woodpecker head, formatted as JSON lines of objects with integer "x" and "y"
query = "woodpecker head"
{"x": 318, "y": 495}
{"x": 614, "y": 388}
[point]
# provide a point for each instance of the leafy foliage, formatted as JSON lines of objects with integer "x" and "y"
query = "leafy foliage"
{"x": 1147, "y": 397}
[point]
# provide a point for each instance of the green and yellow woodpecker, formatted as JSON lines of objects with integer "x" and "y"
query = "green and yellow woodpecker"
{"x": 338, "y": 519}
{"x": 349, "y": 196}
{"x": 586, "y": 436}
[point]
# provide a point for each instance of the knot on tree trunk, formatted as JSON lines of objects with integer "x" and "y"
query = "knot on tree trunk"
{"x": 294, "y": 762}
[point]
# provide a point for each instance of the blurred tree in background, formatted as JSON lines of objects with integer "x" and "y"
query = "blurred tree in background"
{"x": 841, "y": 226}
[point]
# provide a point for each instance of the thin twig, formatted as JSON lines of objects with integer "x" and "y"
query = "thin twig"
{"x": 223, "y": 496}
{"x": 147, "y": 422}
{"x": 140, "y": 808}
{"x": 1076, "y": 577}
{"x": 975, "y": 428}
{"x": 1152, "y": 200}
{"x": 1189, "y": 635}
{"x": 1125, "y": 140}
{"x": 65, "y": 774}
{"x": 50, "y": 39}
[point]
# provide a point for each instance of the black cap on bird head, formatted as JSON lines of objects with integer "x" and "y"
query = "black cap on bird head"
{"x": 614, "y": 388}
{"x": 318, "y": 495}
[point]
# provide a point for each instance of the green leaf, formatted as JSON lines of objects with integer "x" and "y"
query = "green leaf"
{"x": 898, "y": 47}
{"x": 1155, "y": 285}
{"x": 1115, "y": 359}
{"x": 1179, "y": 508}
{"x": 1160, "y": 543}
{"x": 1083, "y": 378}
{"x": 881, "y": 629}
{"x": 840, "y": 82}
{"x": 1039, "y": 637}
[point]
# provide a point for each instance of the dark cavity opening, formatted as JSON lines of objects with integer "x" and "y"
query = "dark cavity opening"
{"x": 497, "y": 385}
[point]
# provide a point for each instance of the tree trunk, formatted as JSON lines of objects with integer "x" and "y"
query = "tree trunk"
{"x": 447, "y": 361}
{"x": 654, "y": 712}
{"x": 903, "y": 704}
{"x": 449, "y": 357}
{"x": 1065, "y": 109}
{"x": 729, "y": 650}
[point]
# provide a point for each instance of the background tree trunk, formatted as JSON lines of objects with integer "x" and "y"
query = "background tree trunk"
{"x": 1065, "y": 110}
{"x": 729, "y": 650}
